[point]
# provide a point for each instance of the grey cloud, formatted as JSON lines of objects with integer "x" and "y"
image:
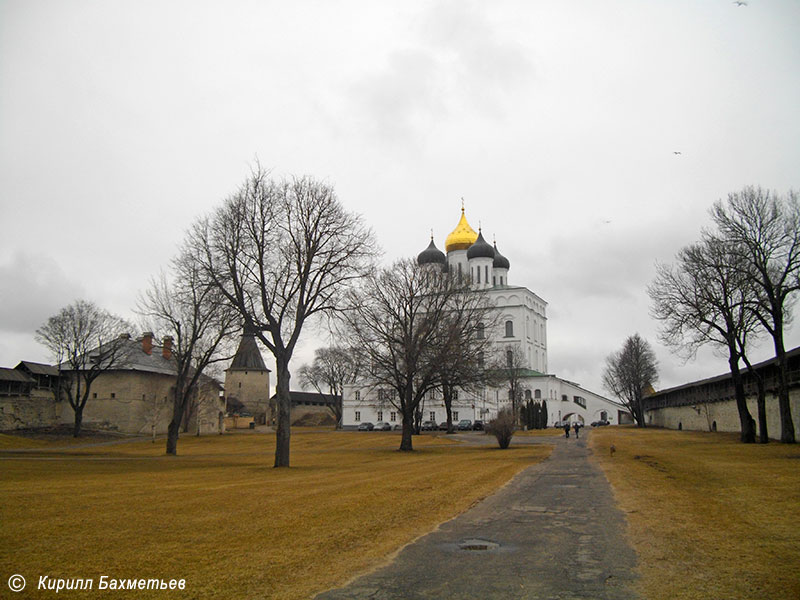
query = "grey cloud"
{"x": 34, "y": 288}
{"x": 458, "y": 59}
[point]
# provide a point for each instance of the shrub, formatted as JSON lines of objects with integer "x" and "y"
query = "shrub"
{"x": 502, "y": 427}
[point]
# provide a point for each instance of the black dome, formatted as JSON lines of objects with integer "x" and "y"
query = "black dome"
{"x": 431, "y": 255}
{"x": 480, "y": 249}
{"x": 500, "y": 261}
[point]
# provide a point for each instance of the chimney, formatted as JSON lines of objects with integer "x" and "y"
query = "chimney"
{"x": 166, "y": 347}
{"x": 147, "y": 342}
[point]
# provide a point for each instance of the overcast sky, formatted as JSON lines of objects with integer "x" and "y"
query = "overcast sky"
{"x": 557, "y": 121}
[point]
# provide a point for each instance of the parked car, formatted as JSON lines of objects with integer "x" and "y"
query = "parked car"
{"x": 428, "y": 426}
{"x": 477, "y": 425}
{"x": 443, "y": 426}
{"x": 465, "y": 425}
{"x": 383, "y": 426}
{"x": 366, "y": 426}
{"x": 600, "y": 423}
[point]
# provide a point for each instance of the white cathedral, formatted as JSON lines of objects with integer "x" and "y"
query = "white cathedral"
{"x": 521, "y": 331}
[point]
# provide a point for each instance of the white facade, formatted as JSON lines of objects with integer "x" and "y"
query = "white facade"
{"x": 566, "y": 401}
{"x": 520, "y": 324}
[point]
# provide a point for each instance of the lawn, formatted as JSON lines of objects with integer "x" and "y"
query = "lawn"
{"x": 709, "y": 517}
{"x": 219, "y": 516}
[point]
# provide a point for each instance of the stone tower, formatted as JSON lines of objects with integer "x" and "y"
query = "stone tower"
{"x": 247, "y": 379}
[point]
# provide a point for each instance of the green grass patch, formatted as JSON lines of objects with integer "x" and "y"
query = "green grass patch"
{"x": 221, "y": 517}
{"x": 709, "y": 517}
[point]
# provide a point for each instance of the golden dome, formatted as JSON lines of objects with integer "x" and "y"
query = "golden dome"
{"x": 462, "y": 237}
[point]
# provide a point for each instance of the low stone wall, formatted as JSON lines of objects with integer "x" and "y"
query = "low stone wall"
{"x": 28, "y": 412}
{"x": 723, "y": 415}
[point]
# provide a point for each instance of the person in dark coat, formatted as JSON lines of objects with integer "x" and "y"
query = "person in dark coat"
{"x": 577, "y": 429}
{"x": 566, "y": 429}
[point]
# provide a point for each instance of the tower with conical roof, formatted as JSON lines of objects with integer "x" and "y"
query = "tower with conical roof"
{"x": 247, "y": 379}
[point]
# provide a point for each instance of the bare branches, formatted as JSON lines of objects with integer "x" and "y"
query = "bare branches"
{"x": 629, "y": 372}
{"x": 411, "y": 324}
{"x": 85, "y": 341}
{"x": 332, "y": 369}
{"x": 765, "y": 229}
{"x": 280, "y": 252}
{"x": 193, "y": 312}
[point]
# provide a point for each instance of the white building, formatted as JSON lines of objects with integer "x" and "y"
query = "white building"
{"x": 521, "y": 329}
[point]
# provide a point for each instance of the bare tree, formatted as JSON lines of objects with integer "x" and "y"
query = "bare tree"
{"x": 629, "y": 372}
{"x": 462, "y": 364}
{"x": 86, "y": 341}
{"x": 282, "y": 252}
{"x": 333, "y": 367}
{"x": 765, "y": 228}
{"x": 403, "y": 321}
{"x": 706, "y": 300}
{"x": 509, "y": 370}
{"x": 198, "y": 320}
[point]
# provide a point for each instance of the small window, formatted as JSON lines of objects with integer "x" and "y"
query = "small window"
{"x": 510, "y": 359}
{"x": 537, "y": 394}
{"x": 527, "y": 394}
{"x": 240, "y": 384}
{"x": 358, "y": 415}
{"x": 481, "y": 331}
{"x": 113, "y": 395}
{"x": 455, "y": 415}
{"x": 564, "y": 398}
{"x": 393, "y": 416}
{"x": 494, "y": 280}
{"x": 509, "y": 328}
{"x": 486, "y": 273}
{"x": 433, "y": 416}
{"x": 479, "y": 274}
{"x": 480, "y": 360}
{"x": 144, "y": 397}
{"x": 455, "y": 394}
{"x": 380, "y": 415}
{"x": 358, "y": 395}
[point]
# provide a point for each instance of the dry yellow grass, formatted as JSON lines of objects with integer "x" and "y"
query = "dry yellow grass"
{"x": 709, "y": 517}
{"x": 219, "y": 516}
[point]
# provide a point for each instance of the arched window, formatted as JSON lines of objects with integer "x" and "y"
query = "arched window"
{"x": 509, "y": 328}
{"x": 537, "y": 394}
{"x": 481, "y": 331}
{"x": 480, "y": 360}
{"x": 528, "y": 394}
{"x": 510, "y": 359}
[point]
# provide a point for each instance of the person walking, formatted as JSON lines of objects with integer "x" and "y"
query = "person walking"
{"x": 566, "y": 429}
{"x": 577, "y": 428}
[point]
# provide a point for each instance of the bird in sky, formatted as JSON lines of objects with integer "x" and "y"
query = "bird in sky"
{"x": 676, "y": 152}
{"x": 739, "y": 3}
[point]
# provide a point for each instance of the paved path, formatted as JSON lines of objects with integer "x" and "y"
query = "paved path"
{"x": 557, "y": 531}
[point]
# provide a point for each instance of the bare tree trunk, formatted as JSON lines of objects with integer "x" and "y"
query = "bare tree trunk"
{"x": 787, "y": 424}
{"x": 284, "y": 402}
{"x": 408, "y": 430}
{"x": 76, "y": 427}
{"x": 763, "y": 434}
{"x": 761, "y": 402}
{"x": 447, "y": 395}
{"x": 746, "y": 421}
